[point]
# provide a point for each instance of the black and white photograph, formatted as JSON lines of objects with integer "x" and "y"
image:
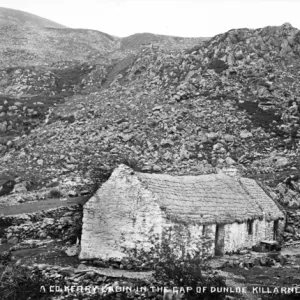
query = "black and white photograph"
{"x": 149, "y": 150}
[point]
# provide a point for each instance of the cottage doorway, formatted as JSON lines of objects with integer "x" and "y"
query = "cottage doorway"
{"x": 220, "y": 237}
{"x": 275, "y": 230}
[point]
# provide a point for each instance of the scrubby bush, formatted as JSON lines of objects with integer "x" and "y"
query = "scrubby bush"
{"x": 55, "y": 193}
{"x": 175, "y": 265}
{"x": 19, "y": 283}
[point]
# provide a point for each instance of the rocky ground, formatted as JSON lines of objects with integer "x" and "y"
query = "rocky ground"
{"x": 160, "y": 104}
{"x": 226, "y": 103}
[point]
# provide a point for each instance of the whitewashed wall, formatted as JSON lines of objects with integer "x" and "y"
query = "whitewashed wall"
{"x": 121, "y": 214}
{"x": 237, "y": 237}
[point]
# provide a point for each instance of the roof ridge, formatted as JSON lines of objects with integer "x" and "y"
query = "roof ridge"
{"x": 209, "y": 198}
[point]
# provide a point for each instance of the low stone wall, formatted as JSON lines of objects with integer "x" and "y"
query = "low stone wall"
{"x": 62, "y": 222}
{"x": 26, "y": 196}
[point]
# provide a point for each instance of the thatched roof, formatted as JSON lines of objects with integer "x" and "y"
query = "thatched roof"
{"x": 209, "y": 199}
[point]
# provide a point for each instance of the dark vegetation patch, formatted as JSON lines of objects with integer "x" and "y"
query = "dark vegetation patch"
{"x": 69, "y": 77}
{"x": 217, "y": 65}
{"x": 19, "y": 283}
{"x": 262, "y": 118}
{"x": 3, "y": 225}
{"x": 28, "y": 114}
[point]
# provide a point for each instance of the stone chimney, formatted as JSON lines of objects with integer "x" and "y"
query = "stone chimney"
{"x": 232, "y": 172}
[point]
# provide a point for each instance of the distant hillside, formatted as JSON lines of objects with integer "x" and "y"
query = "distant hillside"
{"x": 29, "y": 40}
{"x": 23, "y": 45}
{"x": 10, "y": 16}
{"x": 138, "y": 39}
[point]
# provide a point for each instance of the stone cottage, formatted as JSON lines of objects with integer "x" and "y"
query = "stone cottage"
{"x": 131, "y": 206}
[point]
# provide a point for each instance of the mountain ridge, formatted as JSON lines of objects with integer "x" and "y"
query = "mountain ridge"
{"x": 23, "y": 45}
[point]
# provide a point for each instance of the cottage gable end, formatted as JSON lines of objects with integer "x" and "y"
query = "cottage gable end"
{"x": 119, "y": 215}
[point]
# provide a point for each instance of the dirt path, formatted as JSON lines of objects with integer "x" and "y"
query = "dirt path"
{"x": 117, "y": 273}
{"x": 26, "y": 208}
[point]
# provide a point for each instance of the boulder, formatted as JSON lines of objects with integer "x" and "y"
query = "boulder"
{"x": 7, "y": 187}
{"x": 245, "y": 134}
{"x": 229, "y": 161}
{"x": 21, "y": 187}
{"x": 290, "y": 229}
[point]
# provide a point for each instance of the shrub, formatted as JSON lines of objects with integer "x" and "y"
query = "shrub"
{"x": 55, "y": 193}
{"x": 176, "y": 266}
{"x": 19, "y": 283}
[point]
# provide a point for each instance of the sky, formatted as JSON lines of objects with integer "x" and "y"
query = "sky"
{"x": 186, "y": 18}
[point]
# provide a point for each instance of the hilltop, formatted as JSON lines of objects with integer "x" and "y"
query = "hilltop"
{"x": 10, "y": 16}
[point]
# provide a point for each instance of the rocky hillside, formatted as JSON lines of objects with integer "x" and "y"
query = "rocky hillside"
{"x": 10, "y": 16}
{"x": 230, "y": 101}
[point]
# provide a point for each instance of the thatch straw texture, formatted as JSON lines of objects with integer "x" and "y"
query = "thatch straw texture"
{"x": 210, "y": 199}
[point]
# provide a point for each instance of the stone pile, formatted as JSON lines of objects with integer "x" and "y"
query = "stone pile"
{"x": 287, "y": 196}
{"x": 292, "y": 230}
{"x": 250, "y": 260}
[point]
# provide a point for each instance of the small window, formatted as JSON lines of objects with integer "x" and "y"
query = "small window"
{"x": 250, "y": 226}
{"x": 203, "y": 230}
